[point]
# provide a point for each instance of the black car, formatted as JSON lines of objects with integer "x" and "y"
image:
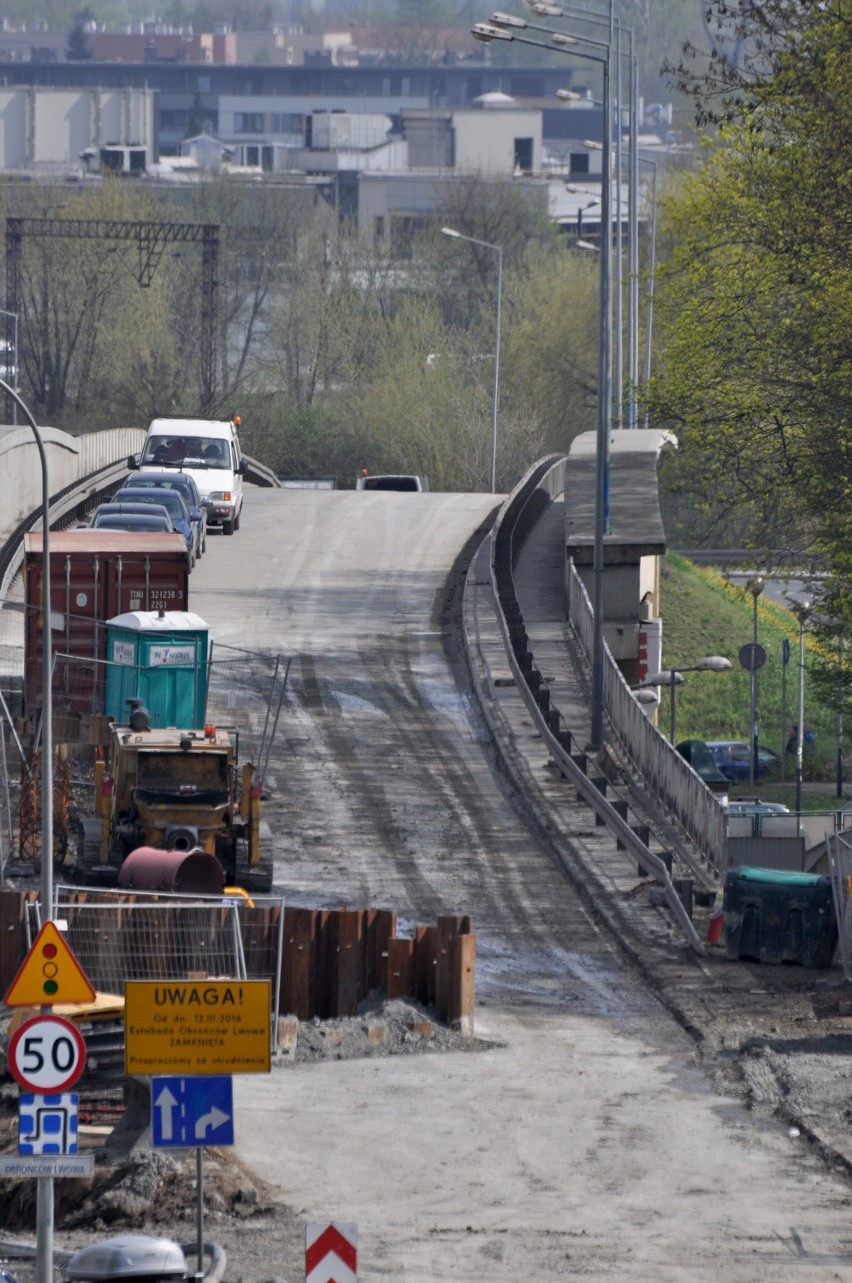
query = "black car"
{"x": 186, "y": 488}
{"x": 733, "y": 758}
{"x": 174, "y": 505}
{"x": 124, "y": 516}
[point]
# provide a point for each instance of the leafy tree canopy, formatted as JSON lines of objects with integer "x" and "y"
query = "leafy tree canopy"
{"x": 756, "y": 303}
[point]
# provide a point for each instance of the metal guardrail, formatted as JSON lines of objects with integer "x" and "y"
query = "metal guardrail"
{"x": 517, "y": 517}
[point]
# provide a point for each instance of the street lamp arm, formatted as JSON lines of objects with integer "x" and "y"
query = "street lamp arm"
{"x": 460, "y": 236}
{"x": 498, "y": 250}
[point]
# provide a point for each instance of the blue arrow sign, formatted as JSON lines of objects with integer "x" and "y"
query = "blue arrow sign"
{"x": 189, "y": 1112}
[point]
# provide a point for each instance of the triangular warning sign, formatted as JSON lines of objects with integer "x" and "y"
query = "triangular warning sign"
{"x": 49, "y": 973}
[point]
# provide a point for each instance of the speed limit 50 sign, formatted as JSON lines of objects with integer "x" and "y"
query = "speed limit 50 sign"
{"x": 46, "y": 1054}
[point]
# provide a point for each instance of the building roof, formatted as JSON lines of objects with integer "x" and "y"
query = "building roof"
{"x": 636, "y": 526}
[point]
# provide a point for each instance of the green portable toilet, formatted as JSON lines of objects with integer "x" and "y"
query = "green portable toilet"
{"x": 160, "y": 657}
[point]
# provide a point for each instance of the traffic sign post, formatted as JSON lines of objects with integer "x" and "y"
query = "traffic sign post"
{"x": 46, "y": 1054}
{"x": 193, "y": 1112}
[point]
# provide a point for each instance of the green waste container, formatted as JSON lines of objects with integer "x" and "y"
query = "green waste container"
{"x": 776, "y": 916}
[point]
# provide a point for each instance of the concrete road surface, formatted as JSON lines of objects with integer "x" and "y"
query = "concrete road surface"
{"x": 583, "y": 1143}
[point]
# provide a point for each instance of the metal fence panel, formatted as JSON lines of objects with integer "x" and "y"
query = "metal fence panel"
{"x": 144, "y": 936}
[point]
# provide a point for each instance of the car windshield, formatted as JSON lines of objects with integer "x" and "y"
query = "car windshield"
{"x": 209, "y": 452}
{"x": 132, "y": 521}
{"x": 184, "y": 486}
{"x": 168, "y": 499}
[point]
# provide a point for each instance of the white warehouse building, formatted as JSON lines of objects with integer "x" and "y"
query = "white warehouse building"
{"x": 57, "y": 129}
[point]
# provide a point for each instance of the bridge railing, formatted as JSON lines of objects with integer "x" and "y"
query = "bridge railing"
{"x": 668, "y": 774}
{"x": 671, "y": 778}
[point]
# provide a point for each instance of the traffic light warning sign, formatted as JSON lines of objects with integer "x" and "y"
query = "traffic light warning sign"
{"x": 50, "y": 973}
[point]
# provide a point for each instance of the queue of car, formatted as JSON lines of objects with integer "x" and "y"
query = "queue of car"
{"x": 188, "y": 477}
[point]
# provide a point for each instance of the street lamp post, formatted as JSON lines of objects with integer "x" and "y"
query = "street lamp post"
{"x": 755, "y": 587}
{"x": 673, "y": 677}
{"x": 802, "y": 610}
{"x": 652, "y": 256}
{"x": 565, "y": 43}
{"x": 14, "y": 317}
{"x": 44, "y": 1191}
{"x": 840, "y": 715}
{"x": 472, "y": 240}
{"x": 614, "y": 30}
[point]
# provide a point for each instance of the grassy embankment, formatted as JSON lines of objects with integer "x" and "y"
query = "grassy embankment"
{"x": 705, "y": 615}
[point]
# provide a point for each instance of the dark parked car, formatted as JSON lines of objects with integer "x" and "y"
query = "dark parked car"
{"x": 733, "y": 758}
{"x": 120, "y": 516}
{"x": 187, "y": 489}
{"x": 754, "y": 806}
{"x": 174, "y": 506}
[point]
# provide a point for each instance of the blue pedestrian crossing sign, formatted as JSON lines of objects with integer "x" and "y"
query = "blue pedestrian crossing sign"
{"x": 188, "y": 1112}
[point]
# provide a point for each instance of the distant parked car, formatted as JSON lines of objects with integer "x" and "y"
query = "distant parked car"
{"x": 733, "y": 758}
{"x": 174, "y": 506}
{"x": 120, "y": 516}
{"x": 390, "y": 481}
{"x": 189, "y": 492}
{"x": 754, "y": 806}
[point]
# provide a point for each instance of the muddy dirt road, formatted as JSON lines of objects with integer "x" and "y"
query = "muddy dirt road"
{"x": 586, "y": 1142}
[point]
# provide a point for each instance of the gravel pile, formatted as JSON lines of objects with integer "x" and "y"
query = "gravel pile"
{"x": 397, "y": 1028}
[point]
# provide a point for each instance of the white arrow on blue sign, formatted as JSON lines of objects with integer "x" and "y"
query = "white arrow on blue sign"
{"x": 188, "y": 1112}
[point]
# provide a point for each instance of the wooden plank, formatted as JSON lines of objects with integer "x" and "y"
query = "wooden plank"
{"x": 425, "y": 957}
{"x": 299, "y": 964}
{"x": 346, "y": 956}
{"x": 449, "y": 925}
{"x": 462, "y": 983}
{"x": 13, "y": 941}
{"x": 380, "y": 925}
{"x": 400, "y": 968}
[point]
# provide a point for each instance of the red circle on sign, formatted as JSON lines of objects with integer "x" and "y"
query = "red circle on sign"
{"x": 47, "y": 1054}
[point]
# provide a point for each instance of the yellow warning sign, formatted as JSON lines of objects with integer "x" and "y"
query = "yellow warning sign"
{"x": 197, "y": 1027}
{"x": 49, "y": 973}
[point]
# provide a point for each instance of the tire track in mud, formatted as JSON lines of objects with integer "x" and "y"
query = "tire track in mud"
{"x": 405, "y": 810}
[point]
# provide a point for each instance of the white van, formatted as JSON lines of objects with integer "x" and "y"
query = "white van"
{"x": 209, "y": 450}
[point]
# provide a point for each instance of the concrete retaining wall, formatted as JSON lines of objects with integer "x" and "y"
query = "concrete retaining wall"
{"x": 68, "y": 460}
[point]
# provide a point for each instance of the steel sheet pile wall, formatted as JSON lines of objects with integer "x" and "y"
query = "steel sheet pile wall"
{"x": 333, "y": 958}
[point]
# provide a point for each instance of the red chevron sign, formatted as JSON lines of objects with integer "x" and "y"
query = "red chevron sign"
{"x": 330, "y": 1253}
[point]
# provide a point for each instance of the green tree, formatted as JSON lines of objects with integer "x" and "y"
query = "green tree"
{"x": 756, "y": 303}
{"x": 79, "y": 45}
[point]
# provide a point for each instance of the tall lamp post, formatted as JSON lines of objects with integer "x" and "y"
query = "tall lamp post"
{"x": 755, "y": 586}
{"x": 44, "y": 1191}
{"x": 673, "y": 677}
{"x": 649, "y": 307}
{"x": 13, "y": 316}
{"x": 565, "y": 43}
{"x": 614, "y": 31}
{"x": 472, "y": 240}
{"x": 802, "y": 610}
{"x": 840, "y": 715}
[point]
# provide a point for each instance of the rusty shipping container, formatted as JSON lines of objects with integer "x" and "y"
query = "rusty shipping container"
{"x": 94, "y": 576}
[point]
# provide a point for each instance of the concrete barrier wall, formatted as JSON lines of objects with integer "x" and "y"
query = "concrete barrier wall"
{"x": 668, "y": 775}
{"x": 69, "y": 459}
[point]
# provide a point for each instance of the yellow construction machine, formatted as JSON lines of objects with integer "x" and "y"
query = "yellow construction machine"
{"x": 174, "y": 790}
